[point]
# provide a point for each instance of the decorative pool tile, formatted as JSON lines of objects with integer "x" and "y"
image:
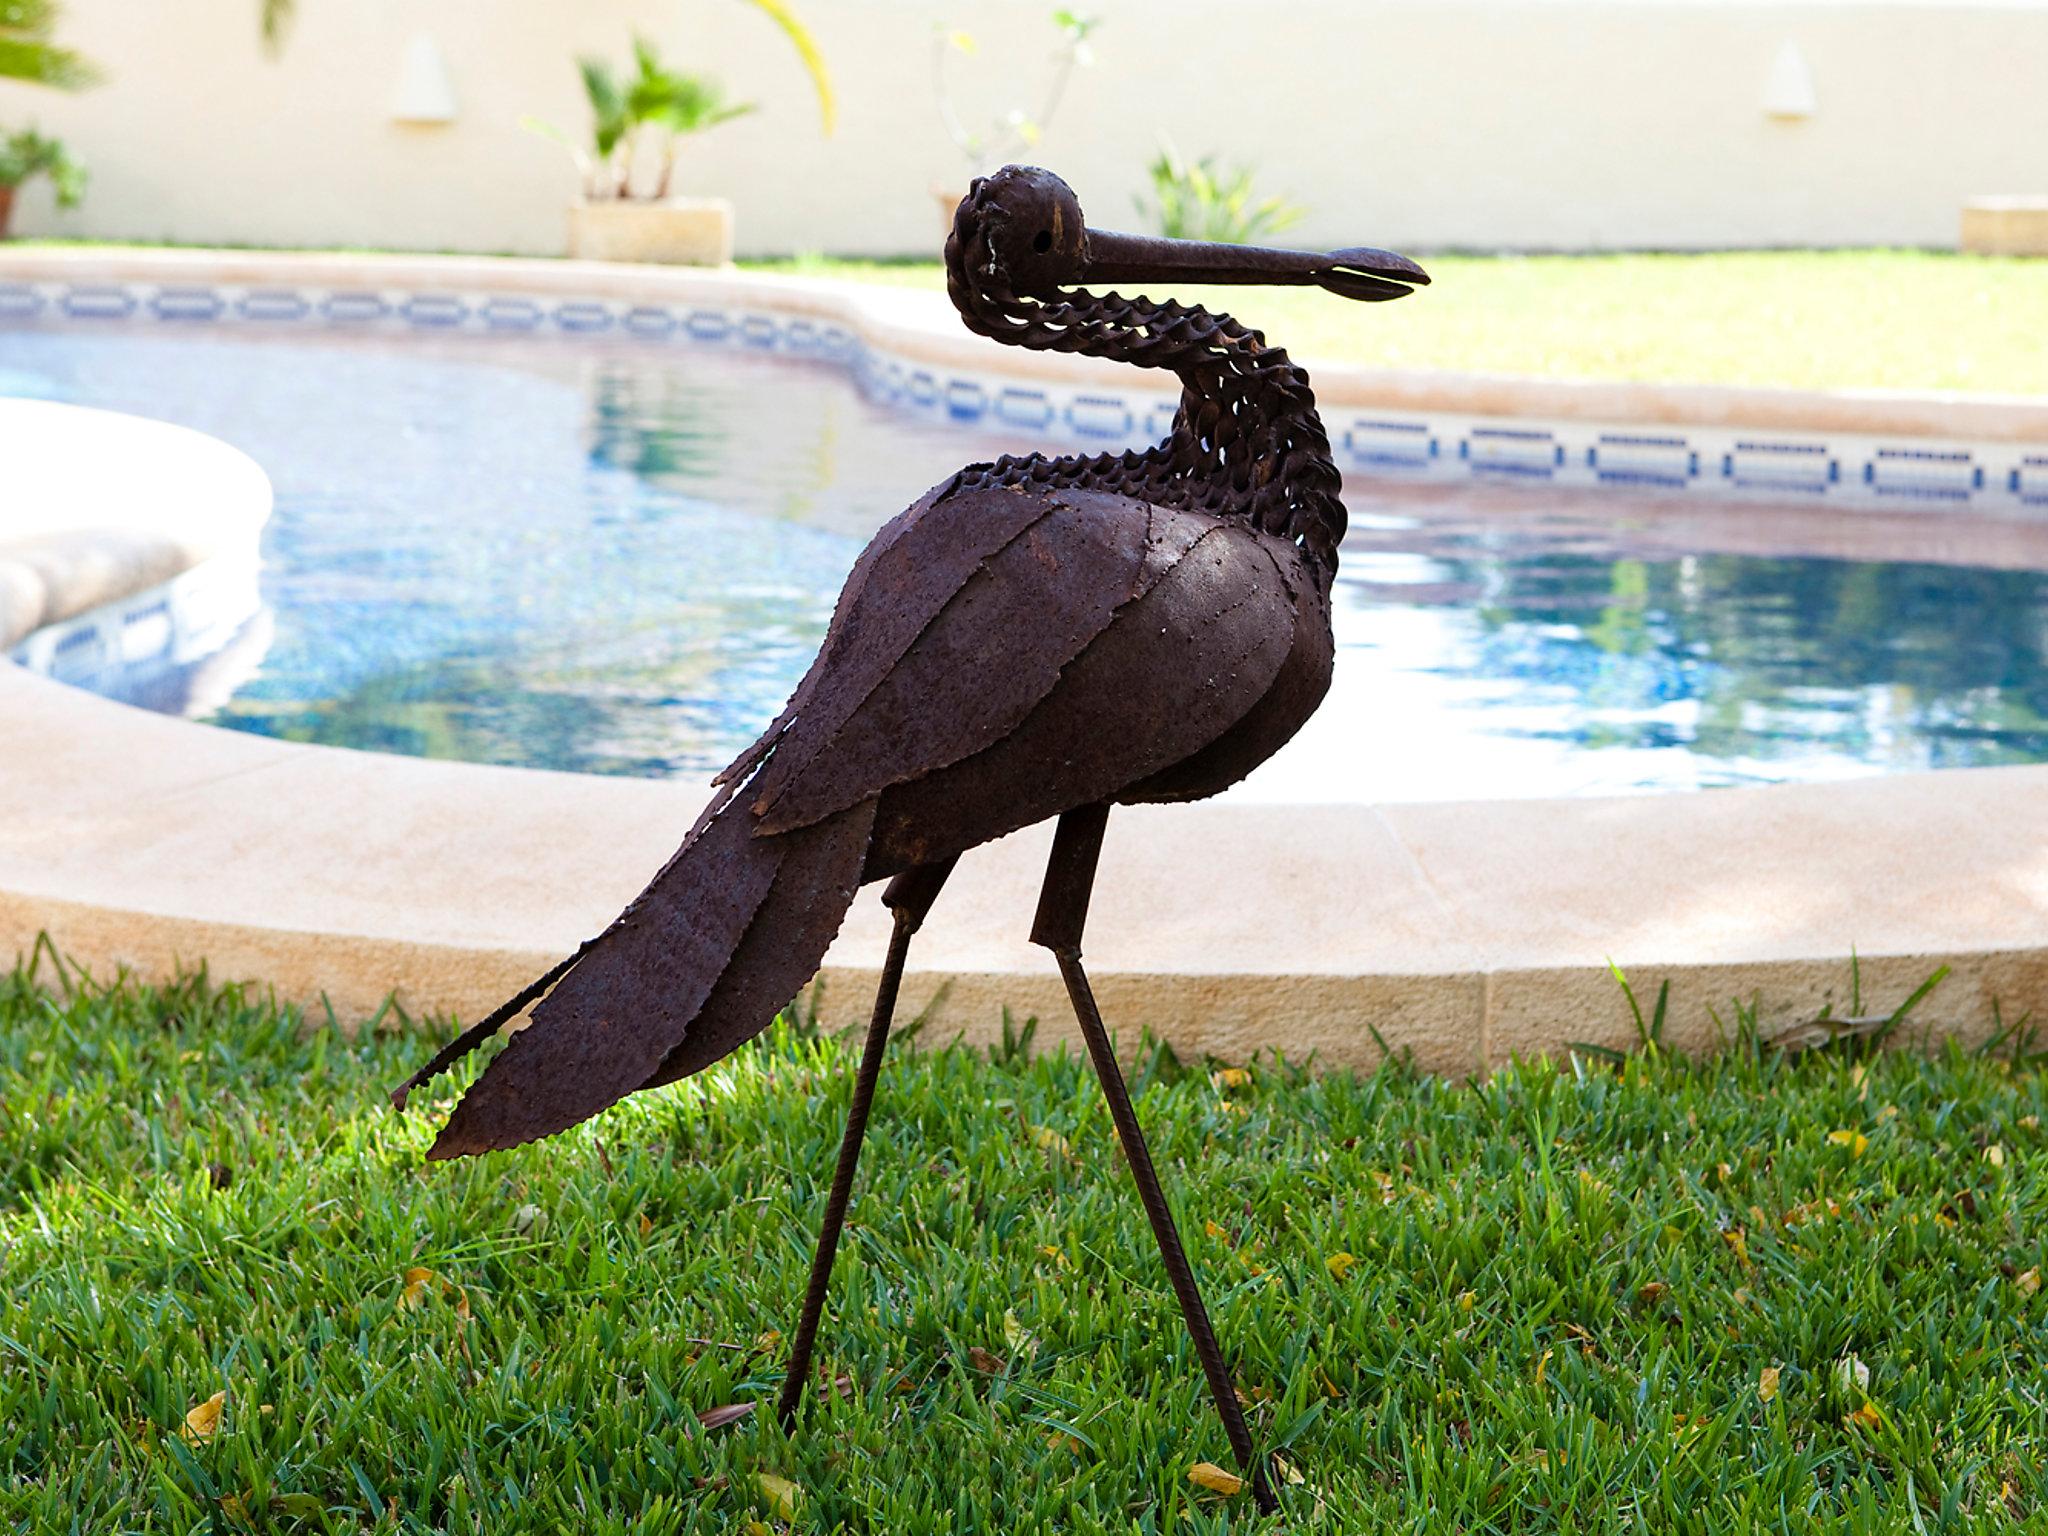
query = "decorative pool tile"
{"x": 511, "y": 314}
{"x": 1390, "y": 444}
{"x": 100, "y": 303}
{"x": 1939, "y": 474}
{"x": 650, "y": 321}
{"x": 1532, "y": 453}
{"x": 148, "y": 647}
{"x": 707, "y": 325}
{"x": 581, "y": 316}
{"x": 966, "y": 400}
{"x": 1104, "y": 417}
{"x": 355, "y": 308}
{"x": 1758, "y": 465}
{"x": 187, "y": 304}
{"x": 1666, "y": 460}
{"x": 436, "y": 311}
{"x": 1026, "y": 408}
{"x": 273, "y": 304}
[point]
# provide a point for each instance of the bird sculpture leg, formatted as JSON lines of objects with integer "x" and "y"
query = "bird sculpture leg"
{"x": 909, "y": 897}
{"x": 1062, "y": 911}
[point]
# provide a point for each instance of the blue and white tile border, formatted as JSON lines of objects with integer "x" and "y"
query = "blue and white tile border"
{"x": 1779, "y": 465}
{"x": 150, "y": 642}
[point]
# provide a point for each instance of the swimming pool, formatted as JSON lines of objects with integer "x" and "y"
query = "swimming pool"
{"x": 597, "y": 555}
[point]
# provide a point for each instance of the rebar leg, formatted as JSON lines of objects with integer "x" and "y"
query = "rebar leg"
{"x": 1062, "y": 912}
{"x": 909, "y": 896}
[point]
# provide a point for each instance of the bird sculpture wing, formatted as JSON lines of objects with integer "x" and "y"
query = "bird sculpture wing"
{"x": 934, "y": 661}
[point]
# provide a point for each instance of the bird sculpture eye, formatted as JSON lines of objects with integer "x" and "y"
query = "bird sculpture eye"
{"x": 1043, "y": 242}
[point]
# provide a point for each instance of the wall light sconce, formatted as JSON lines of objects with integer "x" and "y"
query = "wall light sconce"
{"x": 1788, "y": 92}
{"x": 425, "y": 95}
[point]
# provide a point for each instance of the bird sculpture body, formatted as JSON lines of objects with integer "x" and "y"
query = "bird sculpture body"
{"x": 1036, "y": 637}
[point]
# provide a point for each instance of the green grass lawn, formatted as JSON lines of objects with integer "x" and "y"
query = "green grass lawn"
{"x": 1551, "y": 1302}
{"x": 1911, "y": 320}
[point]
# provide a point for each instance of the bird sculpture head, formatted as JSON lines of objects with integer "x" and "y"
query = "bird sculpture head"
{"x": 1020, "y": 231}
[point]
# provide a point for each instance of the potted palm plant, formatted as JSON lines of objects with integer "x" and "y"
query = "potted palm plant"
{"x": 25, "y": 155}
{"x": 629, "y": 210}
{"x": 27, "y": 52}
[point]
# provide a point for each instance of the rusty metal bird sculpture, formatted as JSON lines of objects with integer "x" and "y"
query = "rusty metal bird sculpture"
{"x": 1036, "y": 637}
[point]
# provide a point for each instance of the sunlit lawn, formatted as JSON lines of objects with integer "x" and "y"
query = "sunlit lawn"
{"x": 1560, "y": 1301}
{"x": 1912, "y": 320}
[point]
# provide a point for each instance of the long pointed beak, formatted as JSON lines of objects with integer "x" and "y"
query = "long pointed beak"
{"x": 1357, "y": 272}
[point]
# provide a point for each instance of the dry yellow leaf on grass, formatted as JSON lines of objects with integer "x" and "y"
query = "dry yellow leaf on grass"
{"x": 1230, "y": 1077}
{"x": 414, "y": 1291}
{"x": 1046, "y": 1139}
{"x": 1866, "y": 1417}
{"x": 2027, "y": 1282}
{"x": 1738, "y": 1244}
{"x": 420, "y": 1284}
{"x": 1855, "y": 1141}
{"x": 1206, "y": 1474}
{"x": 783, "y": 1496}
{"x": 1339, "y": 1265}
{"x": 1767, "y": 1383}
{"x": 1995, "y": 1155}
{"x": 203, "y": 1422}
{"x": 1467, "y": 1300}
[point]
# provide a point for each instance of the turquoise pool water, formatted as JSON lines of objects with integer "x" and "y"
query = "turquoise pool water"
{"x": 610, "y": 557}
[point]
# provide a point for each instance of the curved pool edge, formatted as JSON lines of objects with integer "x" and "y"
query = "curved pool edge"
{"x": 108, "y": 517}
{"x": 1465, "y": 933}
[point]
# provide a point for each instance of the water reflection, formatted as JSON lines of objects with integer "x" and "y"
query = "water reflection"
{"x": 617, "y": 558}
{"x": 1571, "y": 653}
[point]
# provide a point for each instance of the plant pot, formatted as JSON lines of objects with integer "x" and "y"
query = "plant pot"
{"x": 682, "y": 231}
{"x": 6, "y": 209}
{"x": 949, "y": 200}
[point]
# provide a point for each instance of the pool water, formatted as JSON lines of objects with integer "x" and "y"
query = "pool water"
{"x": 613, "y": 557}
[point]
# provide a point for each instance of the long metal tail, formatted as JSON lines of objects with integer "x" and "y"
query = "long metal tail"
{"x": 725, "y": 935}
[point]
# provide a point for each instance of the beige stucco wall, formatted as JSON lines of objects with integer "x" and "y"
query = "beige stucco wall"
{"x": 1529, "y": 123}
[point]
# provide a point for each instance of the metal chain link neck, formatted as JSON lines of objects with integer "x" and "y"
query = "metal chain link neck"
{"x": 1245, "y": 442}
